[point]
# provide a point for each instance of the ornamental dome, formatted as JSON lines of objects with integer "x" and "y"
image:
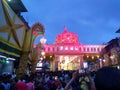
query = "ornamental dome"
{"x": 67, "y": 37}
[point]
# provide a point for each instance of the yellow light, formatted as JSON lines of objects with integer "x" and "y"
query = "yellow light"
{"x": 42, "y": 53}
{"x": 44, "y": 57}
{"x": 41, "y": 58}
{"x": 92, "y": 57}
{"x": 104, "y": 60}
{"x": 98, "y": 56}
{"x": 87, "y": 56}
{"x": 50, "y": 56}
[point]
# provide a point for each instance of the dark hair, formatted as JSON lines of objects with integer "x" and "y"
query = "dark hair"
{"x": 107, "y": 78}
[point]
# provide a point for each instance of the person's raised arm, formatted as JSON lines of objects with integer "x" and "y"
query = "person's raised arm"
{"x": 75, "y": 74}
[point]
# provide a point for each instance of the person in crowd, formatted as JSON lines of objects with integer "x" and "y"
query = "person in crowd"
{"x": 6, "y": 84}
{"x": 80, "y": 81}
{"x": 63, "y": 82}
{"x": 13, "y": 84}
{"x": 21, "y": 85}
{"x": 1, "y": 86}
{"x": 30, "y": 84}
{"x": 107, "y": 78}
{"x": 84, "y": 82}
{"x": 68, "y": 85}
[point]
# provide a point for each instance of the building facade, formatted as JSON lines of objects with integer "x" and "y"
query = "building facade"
{"x": 111, "y": 54}
{"x": 69, "y": 54}
{"x": 13, "y": 33}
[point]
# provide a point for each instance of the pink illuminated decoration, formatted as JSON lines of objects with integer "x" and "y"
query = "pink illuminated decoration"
{"x": 106, "y": 59}
{"x": 113, "y": 51}
{"x": 67, "y": 37}
{"x": 68, "y": 52}
{"x": 114, "y": 56}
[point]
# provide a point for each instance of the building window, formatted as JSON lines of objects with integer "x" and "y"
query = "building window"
{"x": 84, "y": 49}
{"x": 87, "y": 49}
{"x": 45, "y": 49}
{"x": 91, "y": 49}
{"x": 57, "y": 48}
{"x": 48, "y": 48}
{"x": 61, "y": 47}
{"x": 71, "y": 48}
{"x": 80, "y": 49}
{"x": 76, "y": 48}
{"x": 53, "y": 48}
{"x": 66, "y": 48}
{"x": 94, "y": 49}
{"x": 98, "y": 49}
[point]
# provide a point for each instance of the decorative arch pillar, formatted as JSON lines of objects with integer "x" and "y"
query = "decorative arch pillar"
{"x": 27, "y": 49}
{"x": 37, "y": 30}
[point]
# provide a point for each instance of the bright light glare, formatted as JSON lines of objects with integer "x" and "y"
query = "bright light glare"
{"x": 11, "y": 59}
{"x": 100, "y": 59}
{"x": 66, "y": 48}
{"x": 118, "y": 67}
{"x": 9, "y": 0}
{"x": 71, "y": 48}
{"x": 42, "y": 53}
{"x": 39, "y": 64}
{"x": 85, "y": 64}
{"x": 7, "y": 61}
{"x": 43, "y": 40}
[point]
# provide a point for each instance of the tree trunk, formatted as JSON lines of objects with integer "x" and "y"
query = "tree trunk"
{"x": 22, "y": 65}
{"x": 33, "y": 66}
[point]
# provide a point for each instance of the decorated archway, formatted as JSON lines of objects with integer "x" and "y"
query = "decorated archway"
{"x": 37, "y": 30}
{"x": 31, "y": 54}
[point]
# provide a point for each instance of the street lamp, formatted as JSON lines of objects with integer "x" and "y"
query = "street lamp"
{"x": 42, "y": 53}
{"x": 100, "y": 62}
{"x": 43, "y": 40}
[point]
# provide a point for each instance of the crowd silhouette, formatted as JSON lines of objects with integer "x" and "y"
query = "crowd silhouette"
{"x": 106, "y": 78}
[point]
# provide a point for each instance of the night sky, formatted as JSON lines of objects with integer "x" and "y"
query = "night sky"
{"x": 95, "y": 21}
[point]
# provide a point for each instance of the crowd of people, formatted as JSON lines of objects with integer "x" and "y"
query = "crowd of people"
{"x": 106, "y": 78}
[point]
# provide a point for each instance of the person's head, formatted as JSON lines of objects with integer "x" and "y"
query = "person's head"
{"x": 107, "y": 78}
